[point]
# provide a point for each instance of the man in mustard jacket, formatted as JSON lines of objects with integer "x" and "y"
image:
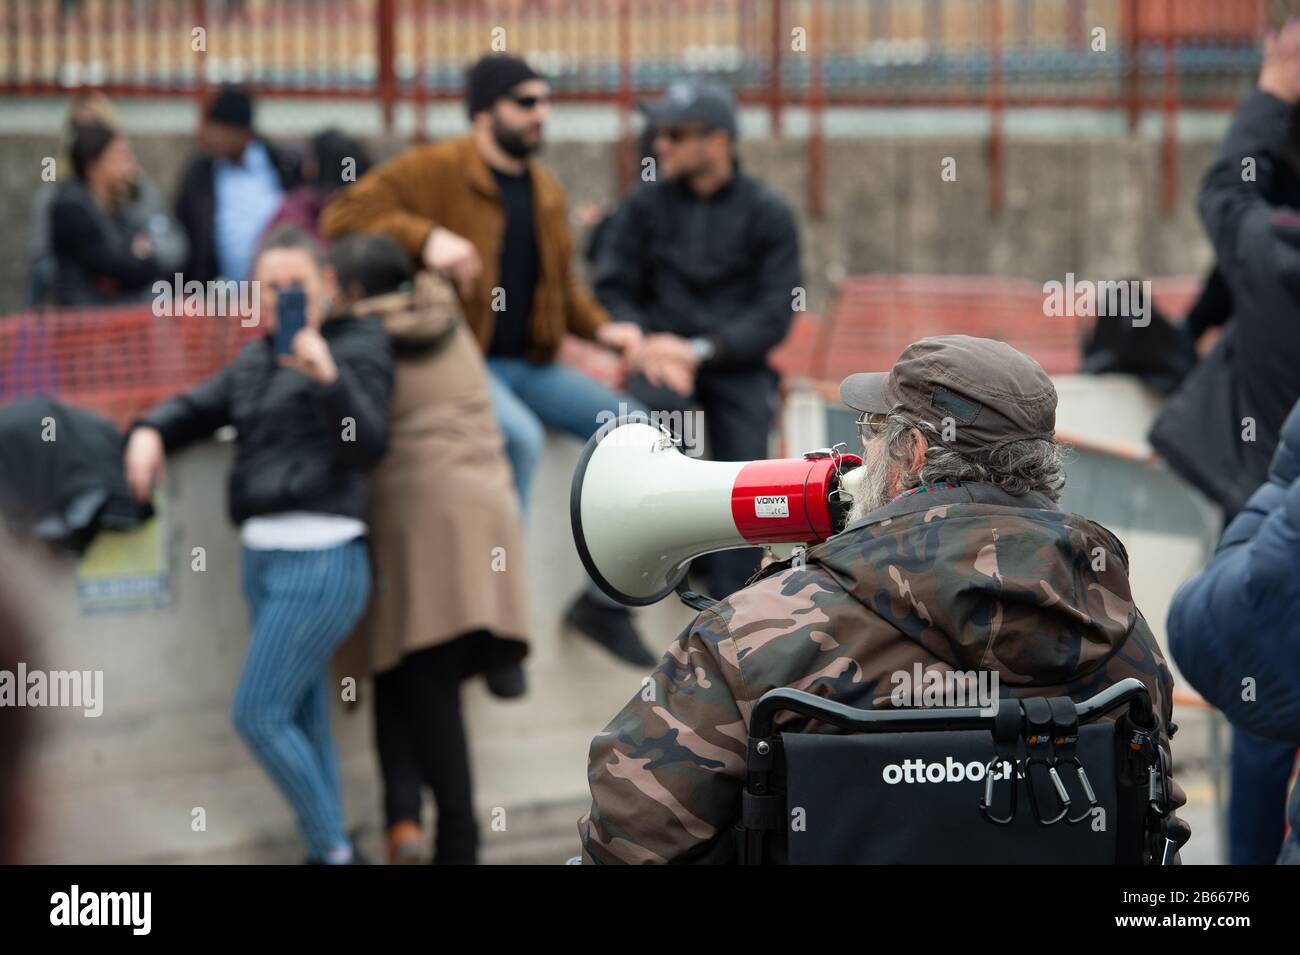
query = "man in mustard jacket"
{"x": 480, "y": 211}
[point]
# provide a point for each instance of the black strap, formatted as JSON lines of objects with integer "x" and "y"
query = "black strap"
{"x": 1006, "y": 725}
{"x": 749, "y": 846}
{"x": 1065, "y": 725}
{"x": 762, "y": 812}
{"x": 1038, "y": 726}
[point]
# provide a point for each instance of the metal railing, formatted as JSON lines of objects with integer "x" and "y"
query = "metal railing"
{"x": 994, "y": 55}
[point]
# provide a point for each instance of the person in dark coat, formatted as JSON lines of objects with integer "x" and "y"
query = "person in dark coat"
{"x": 231, "y": 189}
{"x": 1234, "y": 629}
{"x": 311, "y": 424}
{"x": 100, "y": 257}
{"x": 705, "y": 260}
{"x": 140, "y": 206}
{"x": 1220, "y": 430}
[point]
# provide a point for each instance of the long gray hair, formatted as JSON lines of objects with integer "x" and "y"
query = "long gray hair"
{"x": 1018, "y": 467}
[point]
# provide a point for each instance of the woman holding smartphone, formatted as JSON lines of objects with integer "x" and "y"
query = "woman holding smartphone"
{"x": 311, "y": 410}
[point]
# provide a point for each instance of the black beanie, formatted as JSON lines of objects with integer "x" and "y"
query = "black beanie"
{"x": 232, "y": 107}
{"x": 492, "y": 77}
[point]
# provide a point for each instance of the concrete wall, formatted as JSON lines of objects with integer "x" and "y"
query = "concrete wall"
{"x": 121, "y": 787}
{"x": 1087, "y": 205}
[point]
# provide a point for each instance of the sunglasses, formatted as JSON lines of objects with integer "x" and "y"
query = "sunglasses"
{"x": 870, "y": 425}
{"x": 678, "y": 133}
{"x": 530, "y": 102}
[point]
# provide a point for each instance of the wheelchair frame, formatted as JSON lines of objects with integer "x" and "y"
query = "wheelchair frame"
{"x": 1036, "y": 719}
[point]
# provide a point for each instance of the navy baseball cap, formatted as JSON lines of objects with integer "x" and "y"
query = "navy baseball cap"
{"x": 698, "y": 102}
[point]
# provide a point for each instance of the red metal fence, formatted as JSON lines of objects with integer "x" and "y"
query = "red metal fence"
{"x": 995, "y": 55}
{"x": 887, "y": 52}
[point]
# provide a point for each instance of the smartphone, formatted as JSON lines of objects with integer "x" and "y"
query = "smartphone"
{"x": 290, "y": 317}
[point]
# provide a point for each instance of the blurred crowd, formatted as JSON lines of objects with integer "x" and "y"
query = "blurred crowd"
{"x": 391, "y": 420}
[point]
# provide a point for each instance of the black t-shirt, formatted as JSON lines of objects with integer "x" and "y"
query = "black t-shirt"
{"x": 518, "y": 275}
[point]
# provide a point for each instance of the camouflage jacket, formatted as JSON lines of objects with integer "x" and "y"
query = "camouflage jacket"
{"x": 956, "y": 579}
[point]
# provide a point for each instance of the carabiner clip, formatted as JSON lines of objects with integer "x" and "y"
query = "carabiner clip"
{"x": 1087, "y": 790}
{"x": 1144, "y": 743}
{"x": 1057, "y": 785}
{"x": 986, "y": 801}
{"x": 1006, "y": 735}
{"x": 1065, "y": 739}
{"x": 1040, "y": 726}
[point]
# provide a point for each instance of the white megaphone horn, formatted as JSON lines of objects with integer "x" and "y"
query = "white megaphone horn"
{"x": 642, "y": 510}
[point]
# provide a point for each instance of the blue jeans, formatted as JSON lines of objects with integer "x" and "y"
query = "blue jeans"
{"x": 303, "y": 603}
{"x": 1261, "y": 771}
{"x": 529, "y": 398}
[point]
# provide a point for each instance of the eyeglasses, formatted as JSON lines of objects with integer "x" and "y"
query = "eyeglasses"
{"x": 870, "y": 425}
{"x": 531, "y": 102}
{"x": 677, "y": 133}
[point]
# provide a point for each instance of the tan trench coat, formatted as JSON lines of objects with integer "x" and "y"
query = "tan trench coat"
{"x": 445, "y": 535}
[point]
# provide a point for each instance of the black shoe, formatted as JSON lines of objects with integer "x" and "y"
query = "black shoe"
{"x": 507, "y": 683}
{"x": 612, "y": 628}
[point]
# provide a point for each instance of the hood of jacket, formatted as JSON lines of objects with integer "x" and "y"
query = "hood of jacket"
{"x": 984, "y": 582}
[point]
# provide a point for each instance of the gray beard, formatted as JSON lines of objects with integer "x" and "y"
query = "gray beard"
{"x": 868, "y": 486}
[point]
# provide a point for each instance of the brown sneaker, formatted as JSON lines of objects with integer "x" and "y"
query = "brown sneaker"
{"x": 405, "y": 843}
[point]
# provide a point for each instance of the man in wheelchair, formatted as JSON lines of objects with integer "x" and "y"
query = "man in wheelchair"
{"x": 955, "y": 557}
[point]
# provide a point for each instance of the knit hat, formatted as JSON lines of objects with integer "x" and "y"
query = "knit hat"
{"x": 492, "y": 77}
{"x": 232, "y": 107}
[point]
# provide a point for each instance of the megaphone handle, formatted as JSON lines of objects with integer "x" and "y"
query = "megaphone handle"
{"x": 694, "y": 600}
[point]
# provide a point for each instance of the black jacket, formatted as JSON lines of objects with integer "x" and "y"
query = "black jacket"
{"x": 724, "y": 267}
{"x": 94, "y": 264}
{"x": 1254, "y": 370}
{"x": 297, "y": 450}
{"x": 196, "y": 207}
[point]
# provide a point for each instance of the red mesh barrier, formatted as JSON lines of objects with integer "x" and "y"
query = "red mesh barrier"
{"x": 121, "y": 361}
{"x": 116, "y": 361}
{"x": 873, "y": 318}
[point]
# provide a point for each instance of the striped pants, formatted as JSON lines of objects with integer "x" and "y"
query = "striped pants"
{"x": 303, "y": 604}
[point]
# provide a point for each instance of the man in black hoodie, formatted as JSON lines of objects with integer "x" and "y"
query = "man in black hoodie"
{"x": 705, "y": 259}
{"x": 1219, "y": 432}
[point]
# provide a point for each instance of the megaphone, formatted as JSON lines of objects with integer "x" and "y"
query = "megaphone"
{"x": 642, "y": 510}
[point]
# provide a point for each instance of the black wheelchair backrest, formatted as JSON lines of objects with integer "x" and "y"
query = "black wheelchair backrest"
{"x": 1037, "y": 781}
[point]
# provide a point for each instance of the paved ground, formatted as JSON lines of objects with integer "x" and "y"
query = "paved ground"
{"x": 546, "y": 835}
